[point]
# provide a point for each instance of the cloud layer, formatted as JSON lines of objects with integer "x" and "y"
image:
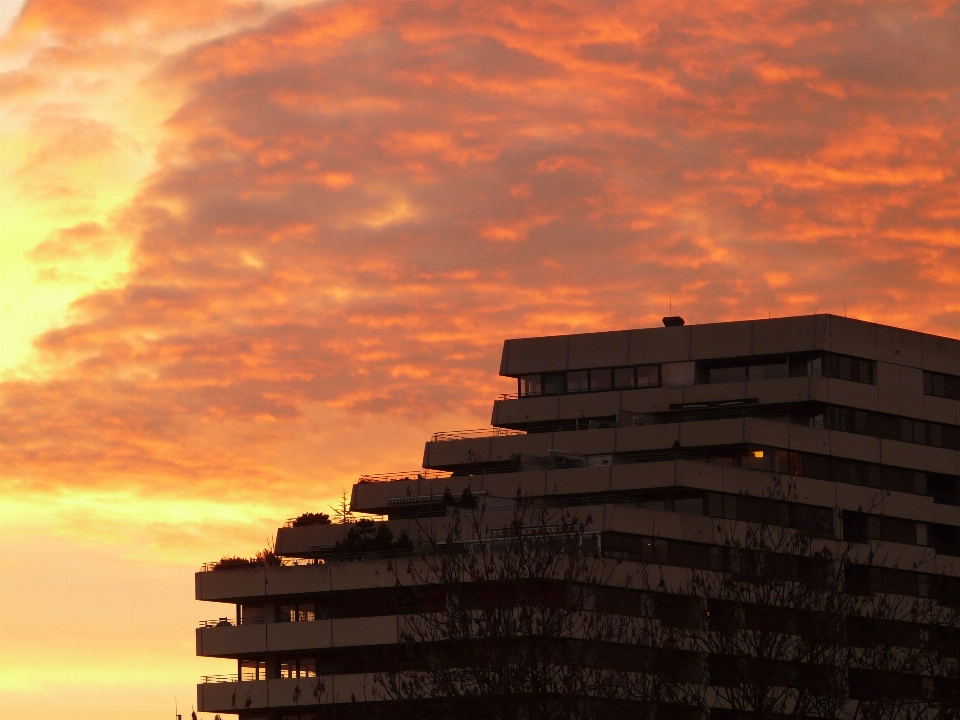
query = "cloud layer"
{"x": 353, "y": 204}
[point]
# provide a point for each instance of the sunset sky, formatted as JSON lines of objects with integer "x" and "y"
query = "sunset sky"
{"x": 251, "y": 250}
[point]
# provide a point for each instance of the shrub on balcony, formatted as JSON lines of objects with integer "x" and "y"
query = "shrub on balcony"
{"x": 312, "y": 519}
{"x": 369, "y": 536}
{"x": 262, "y": 558}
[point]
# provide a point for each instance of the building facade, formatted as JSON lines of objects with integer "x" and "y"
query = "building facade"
{"x": 666, "y": 438}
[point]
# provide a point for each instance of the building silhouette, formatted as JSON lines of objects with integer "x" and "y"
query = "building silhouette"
{"x": 667, "y": 439}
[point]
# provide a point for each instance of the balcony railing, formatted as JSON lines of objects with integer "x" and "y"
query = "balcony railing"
{"x": 676, "y": 417}
{"x": 274, "y": 562}
{"x": 480, "y": 433}
{"x": 219, "y": 622}
{"x": 410, "y": 475}
{"x": 220, "y": 678}
{"x": 266, "y": 620}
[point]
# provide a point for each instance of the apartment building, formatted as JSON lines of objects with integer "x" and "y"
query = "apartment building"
{"x": 663, "y": 437}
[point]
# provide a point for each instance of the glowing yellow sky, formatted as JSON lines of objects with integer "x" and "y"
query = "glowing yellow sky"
{"x": 251, "y": 250}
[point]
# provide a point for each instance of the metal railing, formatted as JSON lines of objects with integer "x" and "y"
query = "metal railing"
{"x": 312, "y": 616}
{"x": 274, "y": 562}
{"x": 220, "y": 678}
{"x": 409, "y": 475}
{"x": 648, "y": 419}
{"x": 219, "y": 622}
{"x": 480, "y": 433}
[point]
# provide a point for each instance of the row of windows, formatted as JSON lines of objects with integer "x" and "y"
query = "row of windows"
{"x": 812, "y": 519}
{"x": 596, "y": 380}
{"x": 741, "y": 563}
{"x": 684, "y": 374}
{"x": 888, "y": 427}
{"x": 753, "y": 565}
{"x": 284, "y": 612}
{"x": 940, "y": 385}
{"x": 843, "y": 367}
{"x": 864, "y": 527}
{"x": 944, "y": 489}
{"x": 809, "y": 518}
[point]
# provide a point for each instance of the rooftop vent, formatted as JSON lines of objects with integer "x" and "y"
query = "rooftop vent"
{"x": 673, "y": 321}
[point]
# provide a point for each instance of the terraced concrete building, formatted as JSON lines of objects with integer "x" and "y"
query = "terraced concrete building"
{"x": 664, "y": 437}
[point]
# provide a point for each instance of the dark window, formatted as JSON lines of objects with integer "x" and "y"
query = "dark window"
{"x": 600, "y": 379}
{"x": 945, "y": 539}
{"x": 578, "y": 381}
{"x": 737, "y": 373}
{"x": 936, "y": 435}
{"x": 624, "y": 378}
{"x": 898, "y": 530}
{"x": 944, "y": 489}
{"x": 554, "y": 383}
{"x": 648, "y": 375}
{"x": 530, "y": 385}
{"x": 768, "y": 371}
{"x": 941, "y": 385}
{"x": 842, "y": 367}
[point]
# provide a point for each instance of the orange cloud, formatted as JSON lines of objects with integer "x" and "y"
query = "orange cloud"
{"x": 318, "y": 235}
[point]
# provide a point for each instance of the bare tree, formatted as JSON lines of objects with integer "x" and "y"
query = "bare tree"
{"x": 530, "y": 621}
{"x": 520, "y": 620}
{"x": 789, "y": 631}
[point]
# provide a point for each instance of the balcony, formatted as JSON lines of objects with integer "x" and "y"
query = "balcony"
{"x": 273, "y": 637}
{"x": 228, "y": 694}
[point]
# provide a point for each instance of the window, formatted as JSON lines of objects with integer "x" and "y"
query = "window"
{"x": 600, "y": 379}
{"x": 554, "y": 383}
{"x": 298, "y": 667}
{"x": 691, "y": 506}
{"x": 727, "y": 374}
{"x": 251, "y": 614}
{"x": 530, "y": 385}
{"x": 768, "y": 371}
{"x": 292, "y": 612}
{"x": 648, "y": 375}
{"x": 941, "y": 385}
{"x": 831, "y": 365}
{"x": 623, "y": 378}
{"x": 679, "y": 374}
{"x": 253, "y": 670}
{"x": 936, "y": 435}
{"x": 578, "y": 381}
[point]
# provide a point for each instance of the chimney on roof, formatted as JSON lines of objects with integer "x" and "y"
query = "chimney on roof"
{"x": 673, "y": 321}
